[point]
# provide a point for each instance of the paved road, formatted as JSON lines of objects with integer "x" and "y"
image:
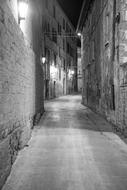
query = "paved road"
{"x": 71, "y": 149}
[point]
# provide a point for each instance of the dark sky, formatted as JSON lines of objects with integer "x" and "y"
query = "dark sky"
{"x": 72, "y": 9}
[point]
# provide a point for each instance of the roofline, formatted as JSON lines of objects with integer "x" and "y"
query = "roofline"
{"x": 72, "y": 26}
{"x": 83, "y": 14}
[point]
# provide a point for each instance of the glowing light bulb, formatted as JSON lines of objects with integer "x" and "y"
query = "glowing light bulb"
{"x": 23, "y": 7}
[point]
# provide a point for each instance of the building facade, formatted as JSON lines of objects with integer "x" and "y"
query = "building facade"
{"x": 21, "y": 78}
{"x": 104, "y": 58}
{"x": 79, "y": 70}
{"x": 59, "y": 48}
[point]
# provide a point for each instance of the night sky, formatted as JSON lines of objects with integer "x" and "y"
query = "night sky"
{"x": 72, "y": 8}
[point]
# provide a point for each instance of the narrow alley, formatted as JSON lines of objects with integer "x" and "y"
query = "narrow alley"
{"x": 71, "y": 148}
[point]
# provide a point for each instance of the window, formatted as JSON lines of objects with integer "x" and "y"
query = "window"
{"x": 64, "y": 64}
{"x": 54, "y": 35}
{"x": 55, "y": 60}
{"x": 69, "y": 31}
{"x": 59, "y": 29}
{"x": 107, "y": 26}
{"x": 113, "y": 97}
{"x": 63, "y": 44}
{"x": 54, "y": 12}
{"x": 68, "y": 48}
{"x": 59, "y": 73}
{"x": 67, "y": 27}
{"x": 71, "y": 52}
{"x": 63, "y": 24}
{"x": 107, "y": 23}
{"x": 93, "y": 50}
{"x": 48, "y": 29}
{"x": 48, "y": 55}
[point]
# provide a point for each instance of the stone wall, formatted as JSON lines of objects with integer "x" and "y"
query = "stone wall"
{"x": 91, "y": 56}
{"x": 121, "y": 72}
{"x": 21, "y": 88}
{"x": 104, "y": 60}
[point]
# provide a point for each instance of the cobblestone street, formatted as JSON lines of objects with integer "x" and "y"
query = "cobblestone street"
{"x": 72, "y": 148}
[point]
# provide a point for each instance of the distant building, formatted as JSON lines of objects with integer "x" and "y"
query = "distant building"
{"x": 60, "y": 49}
{"x": 79, "y": 70}
{"x": 104, "y": 58}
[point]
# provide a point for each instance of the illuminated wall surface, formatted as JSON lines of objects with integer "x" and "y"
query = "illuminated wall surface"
{"x": 21, "y": 81}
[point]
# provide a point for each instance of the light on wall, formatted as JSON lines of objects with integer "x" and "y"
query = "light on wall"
{"x": 43, "y": 60}
{"x": 53, "y": 70}
{"x": 71, "y": 73}
{"x": 22, "y": 9}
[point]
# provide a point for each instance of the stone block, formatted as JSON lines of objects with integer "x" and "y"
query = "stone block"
{"x": 17, "y": 90}
{"x": 5, "y": 160}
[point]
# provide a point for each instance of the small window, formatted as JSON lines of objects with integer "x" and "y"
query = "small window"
{"x": 54, "y": 12}
{"x": 64, "y": 64}
{"x": 59, "y": 29}
{"x": 54, "y": 35}
{"x": 59, "y": 73}
{"x": 55, "y": 60}
{"x": 67, "y": 27}
{"x": 63, "y": 24}
{"x": 68, "y": 48}
{"x": 93, "y": 50}
{"x": 107, "y": 26}
{"x": 48, "y": 29}
{"x": 63, "y": 44}
{"x": 113, "y": 97}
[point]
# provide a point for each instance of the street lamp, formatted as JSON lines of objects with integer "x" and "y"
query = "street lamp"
{"x": 43, "y": 60}
{"x": 79, "y": 34}
{"x": 22, "y": 10}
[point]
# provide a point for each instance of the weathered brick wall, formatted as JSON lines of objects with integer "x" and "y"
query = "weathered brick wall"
{"x": 104, "y": 60}
{"x": 91, "y": 56}
{"x": 21, "y": 89}
{"x": 122, "y": 66}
